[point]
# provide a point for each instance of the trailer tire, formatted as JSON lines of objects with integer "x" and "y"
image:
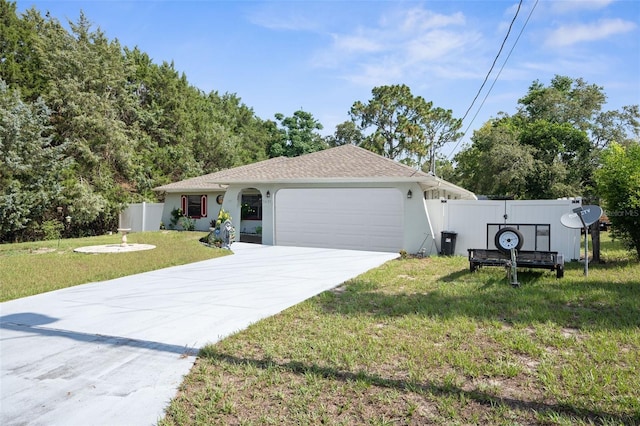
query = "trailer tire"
{"x": 512, "y": 234}
{"x": 559, "y": 271}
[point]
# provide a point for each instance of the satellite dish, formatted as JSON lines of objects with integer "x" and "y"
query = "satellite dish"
{"x": 589, "y": 214}
{"x": 571, "y": 220}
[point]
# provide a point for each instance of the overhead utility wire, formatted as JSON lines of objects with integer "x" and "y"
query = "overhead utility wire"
{"x": 490, "y": 69}
{"x": 497, "y": 76}
{"x": 494, "y": 61}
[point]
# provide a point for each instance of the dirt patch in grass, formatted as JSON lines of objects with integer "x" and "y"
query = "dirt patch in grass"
{"x": 42, "y": 250}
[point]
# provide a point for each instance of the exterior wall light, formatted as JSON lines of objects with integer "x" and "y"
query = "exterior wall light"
{"x": 409, "y": 194}
{"x": 268, "y": 194}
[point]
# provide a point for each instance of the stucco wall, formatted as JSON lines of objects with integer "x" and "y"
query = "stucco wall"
{"x": 172, "y": 201}
{"x": 417, "y": 232}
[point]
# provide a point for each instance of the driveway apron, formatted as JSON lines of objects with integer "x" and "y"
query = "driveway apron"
{"x": 115, "y": 352}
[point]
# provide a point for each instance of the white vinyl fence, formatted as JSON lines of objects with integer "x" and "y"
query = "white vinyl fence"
{"x": 476, "y": 222}
{"x": 141, "y": 217}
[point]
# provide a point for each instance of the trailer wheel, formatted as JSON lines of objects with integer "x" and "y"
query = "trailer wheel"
{"x": 473, "y": 267}
{"x": 559, "y": 271}
{"x": 508, "y": 238}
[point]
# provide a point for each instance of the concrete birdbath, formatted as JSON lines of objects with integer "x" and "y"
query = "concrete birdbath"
{"x": 124, "y": 232}
{"x": 123, "y": 247}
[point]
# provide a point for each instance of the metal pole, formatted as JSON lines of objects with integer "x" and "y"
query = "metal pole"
{"x": 586, "y": 251}
{"x": 579, "y": 211}
{"x": 514, "y": 269}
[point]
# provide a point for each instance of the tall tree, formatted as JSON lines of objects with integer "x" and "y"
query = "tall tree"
{"x": 31, "y": 166}
{"x": 402, "y": 126}
{"x": 394, "y": 120}
{"x": 346, "y": 133}
{"x": 20, "y": 63}
{"x": 564, "y": 100}
{"x": 88, "y": 97}
{"x": 496, "y": 164}
{"x": 298, "y": 135}
{"x": 440, "y": 129}
{"x": 125, "y": 123}
{"x": 563, "y": 129}
{"x": 618, "y": 182}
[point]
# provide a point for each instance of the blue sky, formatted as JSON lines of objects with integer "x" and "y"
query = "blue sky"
{"x": 322, "y": 56}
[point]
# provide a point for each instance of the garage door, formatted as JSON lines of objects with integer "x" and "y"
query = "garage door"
{"x": 346, "y": 218}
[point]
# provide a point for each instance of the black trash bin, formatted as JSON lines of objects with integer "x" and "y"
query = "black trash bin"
{"x": 448, "y": 243}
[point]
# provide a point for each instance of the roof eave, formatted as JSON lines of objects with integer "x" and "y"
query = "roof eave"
{"x": 381, "y": 179}
{"x": 437, "y": 183}
{"x": 425, "y": 182}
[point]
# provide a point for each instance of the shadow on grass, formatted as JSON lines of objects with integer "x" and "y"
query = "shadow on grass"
{"x": 429, "y": 387}
{"x": 594, "y": 305}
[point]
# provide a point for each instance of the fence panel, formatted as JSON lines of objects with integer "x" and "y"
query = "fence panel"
{"x": 141, "y": 217}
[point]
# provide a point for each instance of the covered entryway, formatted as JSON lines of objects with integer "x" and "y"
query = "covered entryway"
{"x": 345, "y": 218}
{"x": 251, "y": 216}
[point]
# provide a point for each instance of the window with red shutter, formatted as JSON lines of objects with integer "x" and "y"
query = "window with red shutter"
{"x": 194, "y": 206}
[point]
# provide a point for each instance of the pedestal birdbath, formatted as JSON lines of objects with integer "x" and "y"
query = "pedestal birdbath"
{"x": 124, "y": 232}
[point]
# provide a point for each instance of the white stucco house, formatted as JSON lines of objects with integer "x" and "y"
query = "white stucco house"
{"x": 344, "y": 197}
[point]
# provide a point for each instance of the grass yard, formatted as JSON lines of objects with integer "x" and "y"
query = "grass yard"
{"x": 32, "y": 268}
{"x": 423, "y": 341}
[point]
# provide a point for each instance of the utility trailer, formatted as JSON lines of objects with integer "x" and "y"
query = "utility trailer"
{"x": 508, "y": 240}
{"x": 550, "y": 260}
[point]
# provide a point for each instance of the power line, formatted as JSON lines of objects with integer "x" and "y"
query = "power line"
{"x": 504, "y": 41}
{"x": 494, "y": 61}
{"x": 498, "y": 75}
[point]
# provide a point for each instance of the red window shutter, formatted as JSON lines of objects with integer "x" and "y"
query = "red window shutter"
{"x": 183, "y": 204}
{"x": 203, "y": 206}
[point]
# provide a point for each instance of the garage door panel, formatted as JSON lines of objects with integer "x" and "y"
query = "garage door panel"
{"x": 365, "y": 219}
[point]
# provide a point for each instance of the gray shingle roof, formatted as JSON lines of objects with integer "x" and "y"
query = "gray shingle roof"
{"x": 345, "y": 162}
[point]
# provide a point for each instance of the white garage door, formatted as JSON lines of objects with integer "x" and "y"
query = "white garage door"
{"x": 345, "y": 218}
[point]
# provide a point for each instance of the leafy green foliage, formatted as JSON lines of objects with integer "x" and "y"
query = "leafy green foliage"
{"x": 30, "y": 166}
{"x": 298, "y": 135}
{"x": 346, "y": 133}
{"x": 401, "y": 126}
{"x": 550, "y": 148}
{"x": 121, "y": 125}
{"x": 19, "y": 64}
{"x": 496, "y": 164}
{"x": 618, "y": 182}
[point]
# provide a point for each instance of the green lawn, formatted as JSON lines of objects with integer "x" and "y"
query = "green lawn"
{"x": 32, "y": 268}
{"x": 416, "y": 341}
{"x": 423, "y": 341}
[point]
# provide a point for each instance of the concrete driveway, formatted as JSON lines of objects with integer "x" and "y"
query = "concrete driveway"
{"x": 115, "y": 352}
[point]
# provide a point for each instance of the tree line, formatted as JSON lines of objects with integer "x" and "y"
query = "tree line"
{"x": 88, "y": 126}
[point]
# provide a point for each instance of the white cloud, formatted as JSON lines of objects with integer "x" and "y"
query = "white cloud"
{"x": 377, "y": 74}
{"x": 568, "y": 35}
{"x": 356, "y": 43}
{"x": 434, "y": 45}
{"x": 274, "y": 17}
{"x": 402, "y": 44}
{"x": 571, "y": 6}
{"x": 418, "y": 19}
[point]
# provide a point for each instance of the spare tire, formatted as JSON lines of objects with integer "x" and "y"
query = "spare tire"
{"x": 508, "y": 238}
